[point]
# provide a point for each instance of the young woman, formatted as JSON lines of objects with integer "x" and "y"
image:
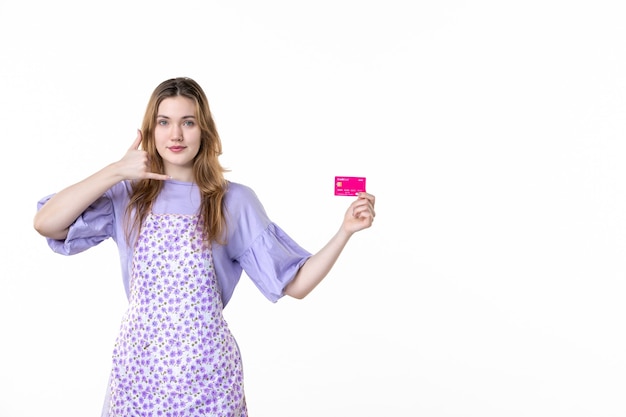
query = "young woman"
{"x": 184, "y": 235}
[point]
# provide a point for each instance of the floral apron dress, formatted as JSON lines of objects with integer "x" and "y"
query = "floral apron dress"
{"x": 175, "y": 355}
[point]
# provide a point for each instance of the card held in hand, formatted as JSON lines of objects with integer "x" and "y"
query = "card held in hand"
{"x": 349, "y": 186}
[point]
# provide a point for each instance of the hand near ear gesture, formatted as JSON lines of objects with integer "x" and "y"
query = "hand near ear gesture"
{"x": 56, "y": 216}
{"x": 135, "y": 164}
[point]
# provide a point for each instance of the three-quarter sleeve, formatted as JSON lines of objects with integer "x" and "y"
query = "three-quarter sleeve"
{"x": 263, "y": 250}
{"x": 92, "y": 227}
{"x": 272, "y": 261}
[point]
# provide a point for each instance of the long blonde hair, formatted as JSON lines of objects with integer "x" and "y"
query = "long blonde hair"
{"x": 207, "y": 170}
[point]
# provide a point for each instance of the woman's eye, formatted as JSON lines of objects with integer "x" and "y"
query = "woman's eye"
{"x": 188, "y": 123}
{"x": 162, "y": 122}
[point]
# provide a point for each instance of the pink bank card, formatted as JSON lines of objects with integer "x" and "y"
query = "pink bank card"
{"x": 349, "y": 186}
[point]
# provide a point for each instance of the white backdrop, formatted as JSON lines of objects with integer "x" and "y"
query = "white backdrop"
{"x": 492, "y": 134}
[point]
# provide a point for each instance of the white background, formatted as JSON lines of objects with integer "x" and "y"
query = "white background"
{"x": 491, "y": 132}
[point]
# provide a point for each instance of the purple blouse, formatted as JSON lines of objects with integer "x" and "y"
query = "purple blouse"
{"x": 254, "y": 243}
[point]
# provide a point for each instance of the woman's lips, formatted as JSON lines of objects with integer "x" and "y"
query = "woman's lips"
{"x": 176, "y": 148}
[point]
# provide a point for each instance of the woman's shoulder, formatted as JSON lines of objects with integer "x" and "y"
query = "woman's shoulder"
{"x": 125, "y": 187}
{"x": 120, "y": 192}
{"x": 238, "y": 191}
{"x": 242, "y": 197}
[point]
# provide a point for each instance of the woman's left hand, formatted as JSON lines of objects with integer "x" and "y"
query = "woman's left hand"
{"x": 360, "y": 215}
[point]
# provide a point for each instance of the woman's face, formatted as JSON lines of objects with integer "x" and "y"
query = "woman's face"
{"x": 177, "y": 136}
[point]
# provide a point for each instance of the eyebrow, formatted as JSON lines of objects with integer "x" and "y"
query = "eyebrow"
{"x": 167, "y": 117}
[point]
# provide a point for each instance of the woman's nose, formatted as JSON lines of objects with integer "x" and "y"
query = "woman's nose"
{"x": 177, "y": 133}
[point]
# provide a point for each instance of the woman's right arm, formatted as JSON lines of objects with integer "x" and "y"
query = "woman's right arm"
{"x": 57, "y": 215}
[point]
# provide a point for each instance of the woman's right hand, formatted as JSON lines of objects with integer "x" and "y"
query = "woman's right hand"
{"x": 135, "y": 164}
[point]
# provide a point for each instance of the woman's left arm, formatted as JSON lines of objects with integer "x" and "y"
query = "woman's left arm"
{"x": 359, "y": 216}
